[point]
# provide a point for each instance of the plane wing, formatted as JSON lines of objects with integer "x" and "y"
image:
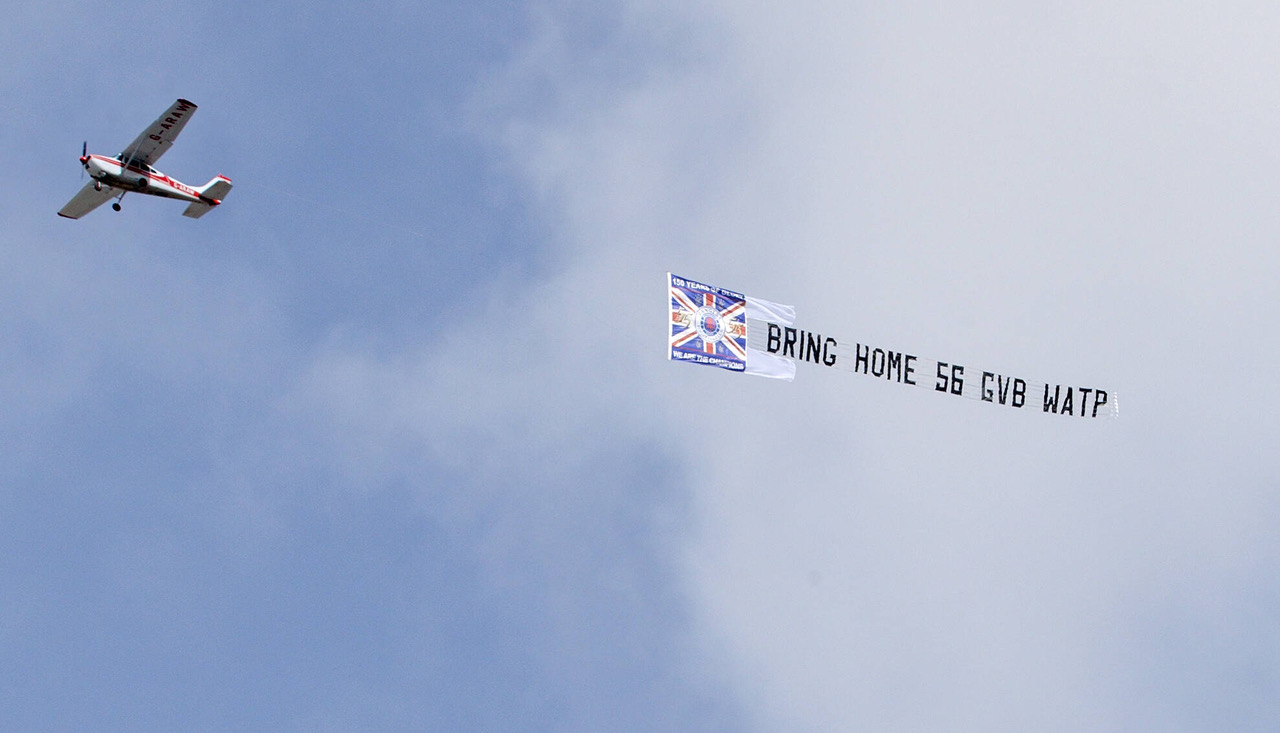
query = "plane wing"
{"x": 87, "y": 200}
{"x": 157, "y": 139}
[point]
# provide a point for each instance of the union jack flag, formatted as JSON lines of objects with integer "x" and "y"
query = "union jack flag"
{"x": 708, "y": 324}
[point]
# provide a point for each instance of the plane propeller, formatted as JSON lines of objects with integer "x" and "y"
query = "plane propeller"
{"x": 84, "y": 158}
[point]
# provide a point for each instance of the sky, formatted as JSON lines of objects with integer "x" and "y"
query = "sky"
{"x": 389, "y": 440}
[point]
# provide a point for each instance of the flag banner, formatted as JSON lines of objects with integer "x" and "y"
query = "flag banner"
{"x": 708, "y": 324}
{"x": 941, "y": 377}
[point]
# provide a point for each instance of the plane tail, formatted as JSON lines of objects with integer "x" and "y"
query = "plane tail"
{"x": 211, "y": 194}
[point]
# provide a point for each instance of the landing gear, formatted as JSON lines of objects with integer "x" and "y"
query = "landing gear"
{"x": 116, "y": 206}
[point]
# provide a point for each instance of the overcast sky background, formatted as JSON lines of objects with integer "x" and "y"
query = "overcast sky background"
{"x": 389, "y": 440}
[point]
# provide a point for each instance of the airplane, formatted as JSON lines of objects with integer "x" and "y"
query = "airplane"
{"x": 113, "y": 177}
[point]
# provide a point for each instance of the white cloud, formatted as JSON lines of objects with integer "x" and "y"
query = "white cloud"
{"x": 1071, "y": 193}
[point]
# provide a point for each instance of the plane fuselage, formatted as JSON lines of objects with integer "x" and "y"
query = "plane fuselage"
{"x": 140, "y": 178}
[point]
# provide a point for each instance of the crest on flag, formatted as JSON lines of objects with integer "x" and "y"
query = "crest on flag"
{"x": 708, "y": 324}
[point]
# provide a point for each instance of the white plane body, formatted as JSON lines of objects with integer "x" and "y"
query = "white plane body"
{"x": 113, "y": 177}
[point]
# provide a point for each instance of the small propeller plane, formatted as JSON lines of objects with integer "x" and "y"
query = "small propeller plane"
{"x": 112, "y": 178}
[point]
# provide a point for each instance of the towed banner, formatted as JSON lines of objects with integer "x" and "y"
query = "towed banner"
{"x": 713, "y": 326}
